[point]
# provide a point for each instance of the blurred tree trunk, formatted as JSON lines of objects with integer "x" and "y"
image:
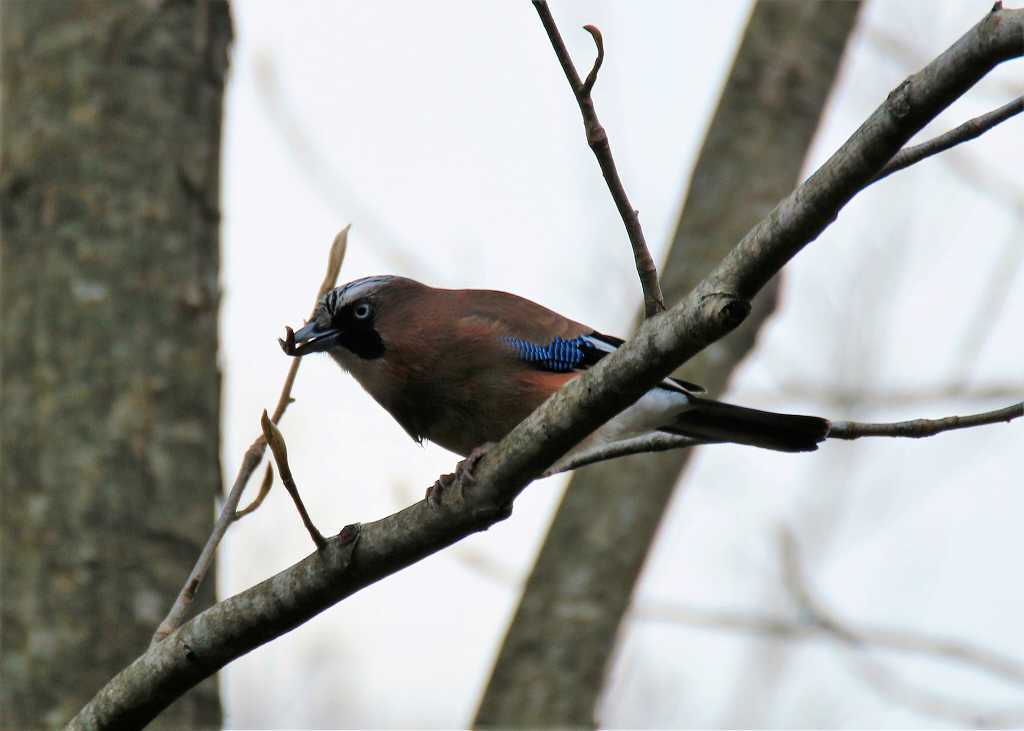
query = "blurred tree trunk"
{"x": 552, "y": 665}
{"x": 109, "y": 434}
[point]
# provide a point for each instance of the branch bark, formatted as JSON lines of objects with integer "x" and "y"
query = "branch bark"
{"x": 360, "y": 556}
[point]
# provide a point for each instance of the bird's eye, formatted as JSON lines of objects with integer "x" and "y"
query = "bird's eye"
{"x": 362, "y": 311}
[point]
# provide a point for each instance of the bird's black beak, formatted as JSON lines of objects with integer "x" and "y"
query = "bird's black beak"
{"x": 312, "y": 338}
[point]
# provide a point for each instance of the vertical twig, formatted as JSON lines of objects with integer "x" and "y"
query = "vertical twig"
{"x": 597, "y": 138}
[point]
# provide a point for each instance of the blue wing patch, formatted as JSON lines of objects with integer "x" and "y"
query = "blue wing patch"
{"x": 559, "y": 355}
{"x": 562, "y": 356}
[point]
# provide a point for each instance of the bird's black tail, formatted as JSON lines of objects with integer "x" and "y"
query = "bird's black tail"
{"x": 721, "y": 422}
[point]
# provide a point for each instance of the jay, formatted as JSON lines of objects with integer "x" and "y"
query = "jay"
{"x": 462, "y": 367}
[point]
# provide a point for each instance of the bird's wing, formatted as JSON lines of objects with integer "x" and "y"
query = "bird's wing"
{"x": 540, "y": 337}
{"x": 561, "y": 355}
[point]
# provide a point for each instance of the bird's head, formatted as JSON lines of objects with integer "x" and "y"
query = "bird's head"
{"x": 345, "y": 320}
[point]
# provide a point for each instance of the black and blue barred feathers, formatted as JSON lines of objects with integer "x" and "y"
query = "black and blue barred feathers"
{"x": 559, "y": 355}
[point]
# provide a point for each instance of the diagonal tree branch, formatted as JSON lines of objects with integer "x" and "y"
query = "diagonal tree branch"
{"x": 360, "y": 556}
{"x": 597, "y": 138}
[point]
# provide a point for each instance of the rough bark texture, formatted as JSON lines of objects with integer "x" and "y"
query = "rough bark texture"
{"x": 552, "y": 665}
{"x": 108, "y": 302}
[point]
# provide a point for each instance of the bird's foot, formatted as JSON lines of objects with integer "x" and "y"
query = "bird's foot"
{"x": 464, "y": 469}
{"x": 463, "y": 475}
{"x": 435, "y": 491}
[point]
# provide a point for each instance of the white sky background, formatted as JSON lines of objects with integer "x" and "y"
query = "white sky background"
{"x": 447, "y": 134}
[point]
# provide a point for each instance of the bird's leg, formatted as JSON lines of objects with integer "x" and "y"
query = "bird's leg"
{"x": 463, "y": 475}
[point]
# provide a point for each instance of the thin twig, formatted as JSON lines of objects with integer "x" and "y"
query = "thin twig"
{"x": 265, "y": 485}
{"x": 250, "y": 462}
{"x": 967, "y": 131}
{"x": 597, "y": 138}
{"x": 917, "y": 428}
{"x": 656, "y": 442}
{"x": 280, "y": 451}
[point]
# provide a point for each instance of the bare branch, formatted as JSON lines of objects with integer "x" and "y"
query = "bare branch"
{"x": 967, "y": 131}
{"x": 280, "y": 451}
{"x": 918, "y": 428}
{"x": 237, "y": 625}
{"x": 250, "y": 462}
{"x": 657, "y": 442}
{"x": 597, "y": 138}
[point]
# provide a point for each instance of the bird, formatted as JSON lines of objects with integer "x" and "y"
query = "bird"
{"x": 462, "y": 367}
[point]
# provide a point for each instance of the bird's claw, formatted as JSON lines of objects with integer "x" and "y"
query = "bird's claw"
{"x": 464, "y": 469}
{"x": 463, "y": 475}
{"x": 436, "y": 491}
